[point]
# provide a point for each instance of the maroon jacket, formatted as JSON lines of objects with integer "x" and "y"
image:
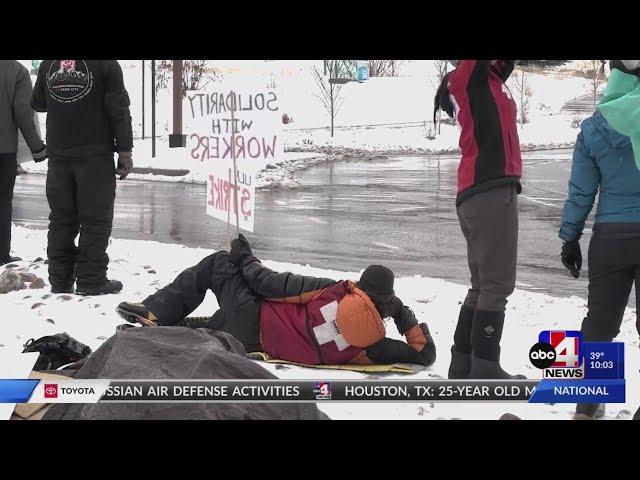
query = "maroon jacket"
{"x": 306, "y": 330}
{"x": 486, "y": 114}
{"x": 315, "y": 321}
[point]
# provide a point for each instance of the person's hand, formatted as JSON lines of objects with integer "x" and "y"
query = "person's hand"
{"x": 631, "y": 67}
{"x": 572, "y": 257}
{"x": 240, "y": 249}
{"x": 125, "y": 164}
{"x": 40, "y": 155}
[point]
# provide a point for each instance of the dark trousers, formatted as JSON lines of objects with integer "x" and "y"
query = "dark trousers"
{"x": 614, "y": 265}
{"x": 239, "y": 312}
{"x": 81, "y": 194}
{"x": 8, "y": 167}
{"x": 489, "y": 223}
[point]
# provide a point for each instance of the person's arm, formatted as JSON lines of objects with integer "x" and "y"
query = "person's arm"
{"x": 583, "y": 187}
{"x": 23, "y": 114}
{"x": 281, "y": 286}
{"x": 284, "y": 287}
{"x": 473, "y": 72}
{"x": 418, "y": 349}
{"x": 116, "y": 102}
{"x": 403, "y": 316}
{"x": 504, "y": 68}
{"x": 39, "y": 99}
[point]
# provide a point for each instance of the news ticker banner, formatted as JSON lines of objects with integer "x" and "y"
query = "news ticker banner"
{"x": 573, "y": 371}
{"x": 237, "y": 391}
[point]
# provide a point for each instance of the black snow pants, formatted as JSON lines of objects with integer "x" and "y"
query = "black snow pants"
{"x": 614, "y": 266}
{"x": 239, "y": 312}
{"x": 81, "y": 194}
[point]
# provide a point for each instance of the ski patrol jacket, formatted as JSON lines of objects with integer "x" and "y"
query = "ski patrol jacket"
{"x": 486, "y": 114}
{"x": 320, "y": 321}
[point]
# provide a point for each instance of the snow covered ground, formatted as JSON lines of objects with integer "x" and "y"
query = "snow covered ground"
{"x": 146, "y": 266}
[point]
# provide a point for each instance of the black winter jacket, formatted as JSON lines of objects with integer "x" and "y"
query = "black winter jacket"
{"x": 87, "y": 107}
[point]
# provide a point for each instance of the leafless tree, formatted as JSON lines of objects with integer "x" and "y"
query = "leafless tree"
{"x": 523, "y": 92}
{"x": 383, "y": 68}
{"x": 329, "y": 93}
{"x": 593, "y": 70}
{"x": 196, "y": 74}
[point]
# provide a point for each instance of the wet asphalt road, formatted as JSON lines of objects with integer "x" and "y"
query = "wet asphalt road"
{"x": 399, "y": 212}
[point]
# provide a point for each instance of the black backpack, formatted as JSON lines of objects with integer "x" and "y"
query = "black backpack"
{"x": 56, "y": 351}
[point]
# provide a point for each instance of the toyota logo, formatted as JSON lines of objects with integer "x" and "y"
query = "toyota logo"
{"x": 50, "y": 390}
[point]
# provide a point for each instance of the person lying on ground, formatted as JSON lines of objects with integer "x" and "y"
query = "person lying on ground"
{"x": 303, "y": 319}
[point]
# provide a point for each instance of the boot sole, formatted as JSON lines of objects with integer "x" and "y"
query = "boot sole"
{"x": 95, "y": 294}
{"x": 194, "y": 322}
{"x": 134, "y": 318}
{"x": 57, "y": 291}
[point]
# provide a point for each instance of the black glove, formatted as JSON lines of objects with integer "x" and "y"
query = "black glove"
{"x": 618, "y": 65}
{"x": 125, "y": 164}
{"x": 572, "y": 257}
{"x": 40, "y": 155}
{"x": 403, "y": 316}
{"x": 240, "y": 249}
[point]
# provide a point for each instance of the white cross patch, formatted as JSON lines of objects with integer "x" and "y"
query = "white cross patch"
{"x": 328, "y": 331}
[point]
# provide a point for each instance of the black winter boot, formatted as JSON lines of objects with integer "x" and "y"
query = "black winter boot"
{"x": 62, "y": 288}
{"x": 461, "y": 350}
{"x": 589, "y": 411}
{"x": 137, "y": 313}
{"x": 9, "y": 259}
{"x": 460, "y": 364}
{"x": 485, "y": 338}
{"x": 107, "y": 288}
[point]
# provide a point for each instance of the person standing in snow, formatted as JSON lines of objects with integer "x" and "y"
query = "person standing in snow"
{"x": 309, "y": 320}
{"x": 15, "y": 114}
{"x": 603, "y": 161}
{"x": 489, "y": 174}
{"x": 88, "y": 119}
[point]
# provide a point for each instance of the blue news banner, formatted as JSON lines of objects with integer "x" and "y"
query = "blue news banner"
{"x": 573, "y": 372}
{"x": 602, "y": 382}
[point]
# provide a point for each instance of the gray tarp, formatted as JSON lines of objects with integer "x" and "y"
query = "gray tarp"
{"x": 176, "y": 353}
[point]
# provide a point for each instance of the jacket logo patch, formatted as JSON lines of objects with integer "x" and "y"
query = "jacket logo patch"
{"x": 328, "y": 331}
{"x": 69, "y": 80}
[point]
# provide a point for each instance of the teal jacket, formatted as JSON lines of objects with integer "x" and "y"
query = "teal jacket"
{"x": 603, "y": 161}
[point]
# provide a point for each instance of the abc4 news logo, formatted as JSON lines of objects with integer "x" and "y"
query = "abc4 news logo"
{"x": 542, "y": 355}
{"x": 558, "y": 354}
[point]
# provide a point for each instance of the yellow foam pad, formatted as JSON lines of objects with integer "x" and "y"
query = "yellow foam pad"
{"x": 393, "y": 368}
